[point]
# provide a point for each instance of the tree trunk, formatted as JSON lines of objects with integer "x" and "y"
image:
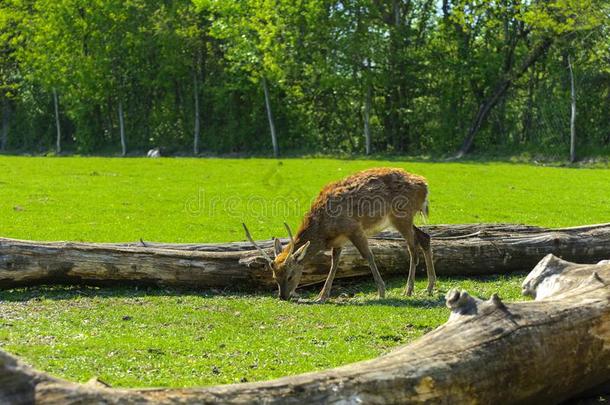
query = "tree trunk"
{"x": 528, "y": 113}
{"x": 196, "y": 131}
{"x": 499, "y": 92}
{"x": 573, "y": 113}
{"x": 122, "y": 129}
{"x": 542, "y": 351}
{"x": 367, "y": 119}
{"x": 57, "y": 125}
{"x": 458, "y": 250}
{"x": 276, "y": 150}
{"x": 6, "y": 120}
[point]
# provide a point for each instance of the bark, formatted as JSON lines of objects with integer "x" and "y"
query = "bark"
{"x": 197, "y": 129}
{"x": 542, "y": 351}
{"x": 6, "y": 120}
{"x": 573, "y": 113}
{"x": 529, "y": 113}
{"x": 122, "y": 129}
{"x": 57, "y": 124}
{"x": 276, "y": 149}
{"x": 367, "y": 119}
{"x": 498, "y": 93}
{"x": 458, "y": 250}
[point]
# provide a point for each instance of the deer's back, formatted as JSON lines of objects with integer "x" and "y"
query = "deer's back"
{"x": 366, "y": 199}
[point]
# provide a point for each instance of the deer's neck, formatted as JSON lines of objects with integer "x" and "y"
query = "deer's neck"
{"x": 309, "y": 234}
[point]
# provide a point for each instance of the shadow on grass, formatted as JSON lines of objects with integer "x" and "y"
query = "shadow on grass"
{"x": 68, "y": 292}
{"x": 344, "y": 292}
{"x": 58, "y": 293}
{"x": 431, "y": 302}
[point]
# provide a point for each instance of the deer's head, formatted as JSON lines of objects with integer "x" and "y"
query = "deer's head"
{"x": 287, "y": 266}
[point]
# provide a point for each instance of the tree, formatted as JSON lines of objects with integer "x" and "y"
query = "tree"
{"x": 573, "y": 113}
{"x": 253, "y": 32}
{"x": 46, "y": 54}
{"x": 498, "y": 92}
{"x": 318, "y": 76}
{"x": 551, "y": 21}
{"x": 9, "y": 69}
{"x": 57, "y": 121}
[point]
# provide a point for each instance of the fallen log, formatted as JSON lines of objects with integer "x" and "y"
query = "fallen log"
{"x": 542, "y": 351}
{"x": 458, "y": 250}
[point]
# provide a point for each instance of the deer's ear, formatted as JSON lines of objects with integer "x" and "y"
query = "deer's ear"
{"x": 277, "y": 246}
{"x": 299, "y": 255}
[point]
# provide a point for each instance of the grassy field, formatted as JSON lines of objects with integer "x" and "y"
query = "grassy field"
{"x": 166, "y": 337}
{"x": 156, "y": 337}
{"x": 205, "y": 200}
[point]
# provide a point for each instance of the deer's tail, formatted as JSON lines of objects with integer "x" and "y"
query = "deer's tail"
{"x": 425, "y": 209}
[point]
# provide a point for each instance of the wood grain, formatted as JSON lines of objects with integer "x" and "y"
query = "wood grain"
{"x": 478, "y": 249}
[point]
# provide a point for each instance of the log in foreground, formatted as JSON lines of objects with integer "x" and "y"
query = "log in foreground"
{"x": 541, "y": 351}
{"x": 458, "y": 250}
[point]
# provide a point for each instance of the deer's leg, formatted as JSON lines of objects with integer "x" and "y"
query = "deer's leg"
{"x": 362, "y": 244}
{"x": 334, "y": 264}
{"x": 423, "y": 240}
{"x": 404, "y": 225}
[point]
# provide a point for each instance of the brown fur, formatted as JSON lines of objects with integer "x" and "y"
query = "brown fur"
{"x": 358, "y": 197}
{"x": 358, "y": 206}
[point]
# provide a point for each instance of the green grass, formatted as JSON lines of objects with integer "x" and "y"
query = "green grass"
{"x": 205, "y": 200}
{"x": 165, "y": 337}
{"x": 130, "y": 337}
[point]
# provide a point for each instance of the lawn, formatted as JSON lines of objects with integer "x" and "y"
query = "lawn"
{"x": 166, "y": 337}
{"x": 156, "y": 337}
{"x": 205, "y": 200}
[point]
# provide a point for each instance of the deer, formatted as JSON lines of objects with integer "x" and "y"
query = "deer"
{"x": 352, "y": 209}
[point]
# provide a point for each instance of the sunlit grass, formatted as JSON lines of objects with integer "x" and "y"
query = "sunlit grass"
{"x": 205, "y": 200}
{"x": 166, "y": 337}
{"x": 156, "y": 337}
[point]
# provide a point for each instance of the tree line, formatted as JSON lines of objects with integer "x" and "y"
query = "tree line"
{"x": 420, "y": 77}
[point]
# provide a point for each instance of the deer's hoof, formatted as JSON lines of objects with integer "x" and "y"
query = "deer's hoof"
{"x": 321, "y": 299}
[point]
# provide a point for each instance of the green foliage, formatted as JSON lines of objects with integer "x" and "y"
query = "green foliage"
{"x": 429, "y": 66}
{"x": 567, "y": 16}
